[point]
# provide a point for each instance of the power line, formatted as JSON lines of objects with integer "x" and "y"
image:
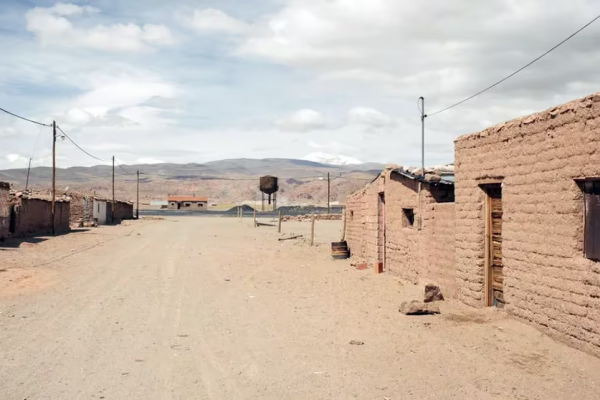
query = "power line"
{"x": 23, "y": 118}
{"x": 517, "y": 71}
{"x": 124, "y": 170}
{"x": 79, "y": 147}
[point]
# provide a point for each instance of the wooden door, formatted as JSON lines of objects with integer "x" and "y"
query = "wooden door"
{"x": 381, "y": 233}
{"x": 494, "y": 268}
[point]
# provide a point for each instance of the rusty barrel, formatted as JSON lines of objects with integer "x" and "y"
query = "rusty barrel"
{"x": 339, "y": 250}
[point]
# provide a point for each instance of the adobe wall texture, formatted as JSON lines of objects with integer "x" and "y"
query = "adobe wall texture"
{"x": 361, "y": 223}
{"x": 34, "y": 217}
{"x": 426, "y": 254}
{"x": 547, "y": 280}
{"x": 123, "y": 211}
{"x": 411, "y": 253}
{"x": 4, "y": 210}
{"x": 81, "y": 211}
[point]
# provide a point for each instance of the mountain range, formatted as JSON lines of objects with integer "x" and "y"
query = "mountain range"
{"x": 225, "y": 181}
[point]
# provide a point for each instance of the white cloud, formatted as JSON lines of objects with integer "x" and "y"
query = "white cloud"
{"x": 303, "y": 120}
{"x": 369, "y": 117}
{"x": 51, "y": 27}
{"x": 148, "y": 160}
{"x": 16, "y": 158}
{"x": 211, "y": 20}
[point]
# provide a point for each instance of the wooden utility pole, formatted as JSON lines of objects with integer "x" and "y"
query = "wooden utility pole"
{"x": 112, "y": 211}
{"x": 312, "y": 230}
{"x": 279, "y": 228}
{"x": 344, "y": 228}
{"x": 137, "y": 212}
{"x": 27, "y": 181}
{"x": 53, "y": 177}
{"x": 328, "y": 192}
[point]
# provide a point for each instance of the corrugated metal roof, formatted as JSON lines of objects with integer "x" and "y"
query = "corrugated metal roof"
{"x": 445, "y": 179}
{"x": 188, "y": 198}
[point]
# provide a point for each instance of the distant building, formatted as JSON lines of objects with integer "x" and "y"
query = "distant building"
{"x": 188, "y": 203}
{"x": 159, "y": 203}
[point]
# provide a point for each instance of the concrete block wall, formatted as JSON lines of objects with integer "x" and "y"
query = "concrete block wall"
{"x": 34, "y": 217}
{"x": 4, "y": 210}
{"x": 547, "y": 280}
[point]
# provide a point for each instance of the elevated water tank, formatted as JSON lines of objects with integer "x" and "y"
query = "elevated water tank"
{"x": 269, "y": 184}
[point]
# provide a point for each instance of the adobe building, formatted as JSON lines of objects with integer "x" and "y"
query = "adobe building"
{"x": 32, "y": 216}
{"x": 523, "y": 231}
{"x": 528, "y": 220}
{"x": 188, "y": 203}
{"x": 4, "y": 210}
{"x": 102, "y": 211}
{"x": 403, "y": 223}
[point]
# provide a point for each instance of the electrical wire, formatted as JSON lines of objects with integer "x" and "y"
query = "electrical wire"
{"x": 23, "y": 118}
{"x": 124, "y": 170}
{"x": 517, "y": 71}
{"x": 76, "y": 145}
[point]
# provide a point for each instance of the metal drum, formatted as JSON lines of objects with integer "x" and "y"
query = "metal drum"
{"x": 339, "y": 250}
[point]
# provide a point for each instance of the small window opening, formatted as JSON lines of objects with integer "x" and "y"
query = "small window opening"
{"x": 351, "y": 214}
{"x": 200, "y": 205}
{"x": 591, "y": 207}
{"x": 409, "y": 217}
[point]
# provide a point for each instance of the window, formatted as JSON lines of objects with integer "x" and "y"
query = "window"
{"x": 591, "y": 207}
{"x": 200, "y": 205}
{"x": 351, "y": 214}
{"x": 408, "y": 219}
{"x": 187, "y": 204}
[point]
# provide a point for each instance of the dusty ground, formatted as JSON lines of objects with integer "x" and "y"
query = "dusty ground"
{"x": 194, "y": 308}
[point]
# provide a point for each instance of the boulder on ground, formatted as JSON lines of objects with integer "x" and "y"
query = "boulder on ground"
{"x": 417, "y": 308}
{"x": 433, "y": 293}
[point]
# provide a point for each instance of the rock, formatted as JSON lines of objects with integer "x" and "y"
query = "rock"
{"x": 416, "y": 308}
{"x": 357, "y": 342}
{"x": 432, "y": 178}
{"x": 433, "y": 293}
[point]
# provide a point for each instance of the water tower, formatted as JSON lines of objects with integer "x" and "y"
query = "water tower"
{"x": 269, "y": 186}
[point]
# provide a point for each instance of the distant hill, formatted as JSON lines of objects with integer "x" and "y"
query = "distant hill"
{"x": 224, "y": 181}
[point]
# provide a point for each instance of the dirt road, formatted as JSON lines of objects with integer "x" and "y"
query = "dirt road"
{"x": 211, "y": 308}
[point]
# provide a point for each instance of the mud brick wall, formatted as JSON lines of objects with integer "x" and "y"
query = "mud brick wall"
{"x": 34, "y": 217}
{"x": 78, "y": 208}
{"x": 4, "y": 209}
{"x": 415, "y": 254}
{"x": 123, "y": 211}
{"x": 547, "y": 280}
{"x": 411, "y": 253}
{"x": 361, "y": 223}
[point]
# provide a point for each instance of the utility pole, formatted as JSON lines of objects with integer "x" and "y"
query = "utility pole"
{"x": 28, "y": 169}
{"x": 328, "y": 193}
{"x": 53, "y": 176}
{"x": 137, "y": 212}
{"x": 112, "y": 211}
{"x": 423, "y": 116}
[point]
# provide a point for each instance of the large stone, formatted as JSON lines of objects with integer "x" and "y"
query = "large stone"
{"x": 433, "y": 293}
{"x": 417, "y": 308}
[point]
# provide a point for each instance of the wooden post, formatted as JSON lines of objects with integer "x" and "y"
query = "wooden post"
{"x": 53, "y": 177}
{"x": 312, "y": 230}
{"x": 255, "y": 218}
{"x": 137, "y": 211}
{"x": 279, "y": 228}
{"x": 344, "y": 228}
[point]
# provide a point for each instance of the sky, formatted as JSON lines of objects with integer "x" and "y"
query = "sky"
{"x": 152, "y": 81}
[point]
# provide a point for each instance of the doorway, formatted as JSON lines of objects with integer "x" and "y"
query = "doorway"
{"x": 494, "y": 268}
{"x": 381, "y": 239}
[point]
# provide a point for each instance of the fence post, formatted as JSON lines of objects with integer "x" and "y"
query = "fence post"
{"x": 344, "y": 228}
{"x": 312, "y": 230}
{"x": 279, "y": 229}
{"x": 255, "y": 218}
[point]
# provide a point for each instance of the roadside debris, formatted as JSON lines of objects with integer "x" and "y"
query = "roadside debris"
{"x": 433, "y": 293}
{"x": 357, "y": 342}
{"x": 290, "y": 238}
{"x": 417, "y": 308}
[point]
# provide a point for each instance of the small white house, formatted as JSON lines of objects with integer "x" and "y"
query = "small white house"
{"x": 100, "y": 211}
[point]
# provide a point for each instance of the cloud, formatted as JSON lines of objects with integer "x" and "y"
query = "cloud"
{"x": 52, "y": 28}
{"x": 211, "y": 20}
{"x": 369, "y": 117}
{"x": 303, "y": 121}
